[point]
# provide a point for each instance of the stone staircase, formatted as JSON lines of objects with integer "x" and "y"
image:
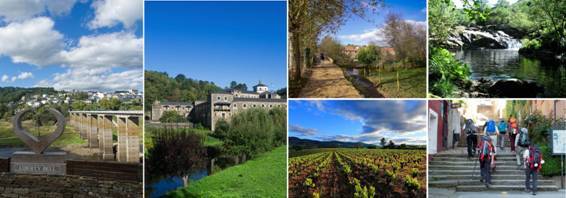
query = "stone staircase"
{"x": 452, "y": 169}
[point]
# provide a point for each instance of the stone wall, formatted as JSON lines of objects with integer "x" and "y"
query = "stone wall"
{"x": 12, "y": 185}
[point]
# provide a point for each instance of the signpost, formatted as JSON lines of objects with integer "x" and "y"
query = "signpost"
{"x": 559, "y": 148}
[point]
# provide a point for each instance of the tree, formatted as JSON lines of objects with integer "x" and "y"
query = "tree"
{"x": 383, "y": 142}
{"x": 172, "y": 117}
{"x": 222, "y": 129}
{"x": 109, "y": 104}
{"x": 309, "y": 18}
{"x": 477, "y": 10}
{"x": 176, "y": 154}
{"x": 332, "y": 48}
{"x": 441, "y": 19}
{"x": 391, "y": 144}
{"x": 368, "y": 56}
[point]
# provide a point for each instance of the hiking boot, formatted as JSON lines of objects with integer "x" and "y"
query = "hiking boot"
{"x": 481, "y": 180}
{"x": 486, "y": 185}
{"x": 534, "y": 193}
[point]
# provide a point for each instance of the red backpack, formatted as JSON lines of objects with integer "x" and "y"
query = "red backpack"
{"x": 535, "y": 157}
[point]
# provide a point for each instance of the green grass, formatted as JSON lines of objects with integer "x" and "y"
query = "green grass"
{"x": 9, "y": 139}
{"x": 412, "y": 83}
{"x": 264, "y": 176}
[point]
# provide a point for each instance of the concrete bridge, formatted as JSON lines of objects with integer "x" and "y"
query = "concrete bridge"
{"x": 97, "y": 127}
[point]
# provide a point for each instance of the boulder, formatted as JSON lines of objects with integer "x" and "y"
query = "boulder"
{"x": 515, "y": 88}
{"x": 472, "y": 38}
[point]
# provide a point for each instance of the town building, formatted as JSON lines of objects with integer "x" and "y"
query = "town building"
{"x": 223, "y": 105}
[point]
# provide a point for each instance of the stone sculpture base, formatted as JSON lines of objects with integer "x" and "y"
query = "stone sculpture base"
{"x": 49, "y": 163}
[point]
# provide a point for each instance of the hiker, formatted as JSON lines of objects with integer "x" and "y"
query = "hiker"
{"x": 502, "y": 127}
{"x": 521, "y": 144}
{"x": 471, "y": 138}
{"x": 491, "y": 130}
{"x": 486, "y": 154}
{"x": 513, "y": 131}
{"x": 455, "y": 137}
{"x": 533, "y": 164}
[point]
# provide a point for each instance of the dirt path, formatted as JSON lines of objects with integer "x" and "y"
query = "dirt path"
{"x": 328, "y": 81}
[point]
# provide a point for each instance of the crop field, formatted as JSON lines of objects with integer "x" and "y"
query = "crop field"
{"x": 359, "y": 173}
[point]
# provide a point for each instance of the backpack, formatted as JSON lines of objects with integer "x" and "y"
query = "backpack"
{"x": 470, "y": 127}
{"x": 502, "y": 127}
{"x": 485, "y": 147}
{"x": 535, "y": 157}
{"x": 490, "y": 127}
{"x": 523, "y": 139}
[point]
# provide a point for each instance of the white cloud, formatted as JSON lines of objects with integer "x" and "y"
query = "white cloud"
{"x": 107, "y": 50}
{"x": 369, "y": 36}
{"x": 96, "y": 79}
{"x": 109, "y": 13}
{"x": 460, "y": 3}
{"x": 33, "y": 41}
{"x": 21, "y": 76}
{"x": 5, "y": 78}
{"x": 17, "y": 10}
{"x": 376, "y": 35}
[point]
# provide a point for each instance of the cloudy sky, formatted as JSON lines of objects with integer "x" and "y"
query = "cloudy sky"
{"x": 71, "y": 44}
{"x": 363, "y": 31}
{"x": 367, "y": 121}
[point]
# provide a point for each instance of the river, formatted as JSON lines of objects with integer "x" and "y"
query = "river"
{"x": 497, "y": 64}
{"x": 161, "y": 187}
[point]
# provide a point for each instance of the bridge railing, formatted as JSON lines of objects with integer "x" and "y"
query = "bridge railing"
{"x": 97, "y": 126}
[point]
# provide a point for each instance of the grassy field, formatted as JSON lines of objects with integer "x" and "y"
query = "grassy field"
{"x": 412, "y": 83}
{"x": 264, "y": 176}
{"x": 9, "y": 139}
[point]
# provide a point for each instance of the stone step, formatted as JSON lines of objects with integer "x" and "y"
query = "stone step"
{"x": 454, "y": 183}
{"x": 475, "y": 188}
{"x": 476, "y": 177}
{"x": 471, "y": 167}
{"x": 471, "y": 162}
{"x": 477, "y": 170}
{"x": 502, "y": 158}
{"x": 465, "y": 155}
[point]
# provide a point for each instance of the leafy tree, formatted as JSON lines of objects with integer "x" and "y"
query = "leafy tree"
{"x": 383, "y": 142}
{"x": 391, "y": 144}
{"x": 172, "y": 117}
{"x": 368, "y": 55}
{"x": 109, "y": 104}
{"x": 255, "y": 131}
{"x": 477, "y": 10}
{"x": 441, "y": 19}
{"x": 222, "y": 129}
{"x": 176, "y": 154}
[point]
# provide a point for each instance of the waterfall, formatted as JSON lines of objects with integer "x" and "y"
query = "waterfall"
{"x": 514, "y": 44}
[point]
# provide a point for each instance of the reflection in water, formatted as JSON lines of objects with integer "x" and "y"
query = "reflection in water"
{"x": 496, "y": 64}
{"x": 163, "y": 186}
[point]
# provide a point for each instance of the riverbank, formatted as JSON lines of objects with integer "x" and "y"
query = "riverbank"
{"x": 264, "y": 176}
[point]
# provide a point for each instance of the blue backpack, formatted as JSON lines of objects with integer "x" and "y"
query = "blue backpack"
{"x": 490, "y": 127}
{"x": 502, "y": 127}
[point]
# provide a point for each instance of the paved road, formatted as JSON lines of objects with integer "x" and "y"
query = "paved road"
{"x": 447, "y": 193}
{"x": 327, "y": 81}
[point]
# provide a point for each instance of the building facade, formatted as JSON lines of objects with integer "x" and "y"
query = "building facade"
{"x": 158, "y": 108}
{"x": 223, "y": 105}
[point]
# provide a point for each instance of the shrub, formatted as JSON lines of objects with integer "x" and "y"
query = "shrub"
{"x": 445, "y": 72}
{"x": 171, "y": 117}
{"x": 531, "y": 44}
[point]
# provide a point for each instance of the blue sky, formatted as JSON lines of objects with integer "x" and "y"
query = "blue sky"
{"x": 361, "y": 31}
{"x": 402, "y": 121}
{"x": 218, "y": 41}
{"x": 71, "y": 44}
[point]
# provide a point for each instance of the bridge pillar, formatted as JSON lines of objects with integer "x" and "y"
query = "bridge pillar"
{"x": 92, "y": 135}
{"x": 122, "y": 150}
{"x": 84, "y": 125}
{"x": 133, "y": 138}
{"x": 106, "y": 137}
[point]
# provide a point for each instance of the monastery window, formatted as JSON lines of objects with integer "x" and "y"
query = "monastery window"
{"x": 254, "y": 105}
{"x": 245, "y": 105}
{"x": 270, "y": 106}
{"x": 262, "y": 105}
{"x": 218, "y": 98}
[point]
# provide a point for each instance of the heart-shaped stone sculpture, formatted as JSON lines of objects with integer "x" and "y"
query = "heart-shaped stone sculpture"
{"x": 38, "y": 145}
